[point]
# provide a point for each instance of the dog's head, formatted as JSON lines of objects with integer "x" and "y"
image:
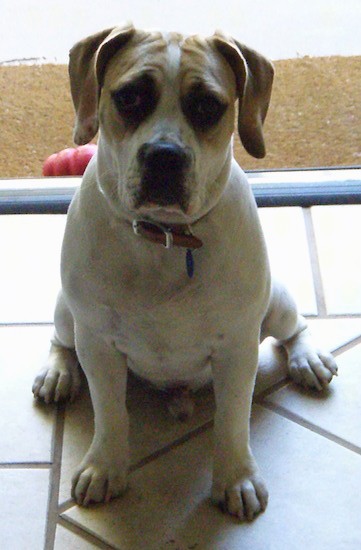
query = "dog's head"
{"x": 166, "y": 108}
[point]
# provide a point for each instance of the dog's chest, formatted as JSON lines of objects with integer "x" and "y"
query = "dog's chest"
{"x": 164, "y": 345}
{"x": 167, "y": 326}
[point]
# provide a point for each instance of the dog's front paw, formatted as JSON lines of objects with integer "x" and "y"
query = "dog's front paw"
{"x": 98, "y": 480}
{"x": 60, "y": 379}
{"x": 244, "y": 499}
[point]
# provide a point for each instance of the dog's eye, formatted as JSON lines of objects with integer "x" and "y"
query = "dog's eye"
{"x": 203, "y": 111}
{"x": 128, "y": 99}
{"x": 136, "y": 100}
{"x": 206, "y": 106}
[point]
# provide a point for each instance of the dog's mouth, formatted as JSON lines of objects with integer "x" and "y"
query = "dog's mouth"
{"x": 172, "y": 213}
{"x": 161, "y": 193}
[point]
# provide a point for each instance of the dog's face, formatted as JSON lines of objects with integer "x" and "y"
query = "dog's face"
{"x": 166, "y": 109}
{"x": 167, "y": 112}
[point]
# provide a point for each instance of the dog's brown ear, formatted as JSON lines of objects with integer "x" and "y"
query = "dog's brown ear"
{"x": 254, "y": 77}
{"x": 87, "y": 63}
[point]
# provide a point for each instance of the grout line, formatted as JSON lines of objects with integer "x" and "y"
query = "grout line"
{"x": 52, "y": 513}
{"x": 259, "y": 397}
{"x": 336, "y": 316}
{"x": 66, "y": 505}
{"x": 89, "y": 536}
{"x": 346, "y": 347}
{"x": 27, "y": 324}
{"x": 315, "y": 263}
{"x": 171, "y": 446}
{"x": 293, "y": 417}
{"x": 25, "y": 465}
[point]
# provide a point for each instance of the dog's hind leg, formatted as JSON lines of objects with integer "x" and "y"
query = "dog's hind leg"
{"x": 307, "y": 365}
{"x": 60, "y": 378}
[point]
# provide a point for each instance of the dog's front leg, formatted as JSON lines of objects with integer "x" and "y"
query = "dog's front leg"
{"x": 237, "y": 486}
{"x": 103, "y": 472}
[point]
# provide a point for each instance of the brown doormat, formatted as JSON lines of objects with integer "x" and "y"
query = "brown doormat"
{"x": 314, "y": 118}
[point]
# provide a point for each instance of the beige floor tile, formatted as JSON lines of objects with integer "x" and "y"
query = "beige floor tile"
{"x": 23, "y": 504}
{"x": 333, "y": 333}
{"x": 29, "y": 280}
{"x": 337, "y": 233}
{"x": 66, "y": 540}
{"x": 338, "y": 410}
{"x": 167, "y": 505}
{"x": 25, "y": 427}
{"x": 286, "y": 240}
{"x": 151, "y": 426}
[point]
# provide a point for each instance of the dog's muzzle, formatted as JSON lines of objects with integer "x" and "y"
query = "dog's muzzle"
{"x": 163, "y": 167}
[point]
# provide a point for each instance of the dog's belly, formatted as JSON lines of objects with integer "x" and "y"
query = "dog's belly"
{"x": 163, "y": 352}
{"x": 171, "y": 371}
{"x": 166, "y": 361}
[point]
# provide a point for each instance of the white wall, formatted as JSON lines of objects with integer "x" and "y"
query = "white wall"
{"x": 278, "y": 28}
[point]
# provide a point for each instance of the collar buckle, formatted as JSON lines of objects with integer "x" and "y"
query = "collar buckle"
{"x": 137, "y": 224}
{"x": 167, "y": 235}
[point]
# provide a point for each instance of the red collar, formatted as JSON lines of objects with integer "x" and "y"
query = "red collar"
{"x": 168, "y": 235}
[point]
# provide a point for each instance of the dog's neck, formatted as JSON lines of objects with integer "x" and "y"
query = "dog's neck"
{"x": 170, "y": 235}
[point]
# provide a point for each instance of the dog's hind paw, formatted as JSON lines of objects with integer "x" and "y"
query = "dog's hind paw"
{"x": 308, "y": 366}
{"x": 313, "y": 370}
{"x": 60, "y": 379}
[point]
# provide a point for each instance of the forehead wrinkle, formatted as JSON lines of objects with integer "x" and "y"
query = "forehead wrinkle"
{"x": 169, "y": 83}
{"x": 201, "y": 64}
{"x": 146, "y": 53}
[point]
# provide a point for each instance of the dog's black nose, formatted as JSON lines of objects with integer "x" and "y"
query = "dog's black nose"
{"x": 164, "y": 167}
{"x": 163, "y": 157}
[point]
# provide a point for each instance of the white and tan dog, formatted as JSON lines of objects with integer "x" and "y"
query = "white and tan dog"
{"x": 164, "y": 174}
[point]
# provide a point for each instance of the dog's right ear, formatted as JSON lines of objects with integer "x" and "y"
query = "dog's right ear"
{"x": 87, "y": 63}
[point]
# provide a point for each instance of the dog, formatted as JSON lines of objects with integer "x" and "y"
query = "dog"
{"x": 164, "y": 265}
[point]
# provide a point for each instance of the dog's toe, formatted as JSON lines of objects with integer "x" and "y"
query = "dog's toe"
{"x": 60, "y": 379}
{"x": 45, "y": 385}
{"x": 94, "y": 483}
{"x": 56, "y": 385}
{"x": 307, "y": 365}
{"x": 313, "y": 369}
{"x": 244, "y": 500}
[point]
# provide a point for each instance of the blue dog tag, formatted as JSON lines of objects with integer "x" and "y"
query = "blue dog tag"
{"x": 190, "y": 263}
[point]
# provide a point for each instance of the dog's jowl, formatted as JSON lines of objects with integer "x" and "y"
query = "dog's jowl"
{"x": 164, "y": 267}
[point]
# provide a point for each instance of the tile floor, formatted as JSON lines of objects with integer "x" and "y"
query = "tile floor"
{"x": 308, "y": 445}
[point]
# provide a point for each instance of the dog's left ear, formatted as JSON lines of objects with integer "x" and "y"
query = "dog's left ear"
{"x": 87, "y": 63}
{"x": 254, "y": 77}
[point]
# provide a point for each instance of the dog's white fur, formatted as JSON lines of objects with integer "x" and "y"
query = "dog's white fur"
{"x": 128, "y": 303}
